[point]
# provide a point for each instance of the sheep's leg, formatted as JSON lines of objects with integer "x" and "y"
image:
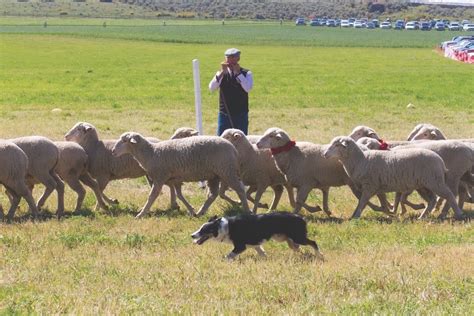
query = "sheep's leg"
{"x": 301, "y": 196}
{"x": 60, "y": 190}
{"x": 358, "y": 194}
{"x": 179, "y": 193}
{"x": 439, "y": 202}
{"x": 278, "y": 189}
{"x": 251, "y": 190}
{"x": 449, "y": 192}
{"x": 213, "y": 191}
{"x": 103, "y": 181}
{"x": 364, "y": 198}
{"x": 223, "y": 188}
{"x": 258, "y": 196}
{"x": 155, "y": 191}
{"x": 291, "y": 195}
{"x": 173, "y": 203}
{"x": 77, "y": 187}
{"x": 293, "y": 246}
{"x": 414, "y": 206}
{"x": 50, "y": 183}
{"x": 91, "y": 183}
{"x": 398, "y": 196}
{"x": 326, "y": 201}
{"x": 14, "y": 204}
{"x": 430, "y": 197}
{"x": 239, "y": 188}
{"x": 463, "y": 195}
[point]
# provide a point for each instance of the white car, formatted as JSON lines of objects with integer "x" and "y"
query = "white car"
{"x": 359, "y": 24}
{"x": 411, "y": 26}
{"x": 386, "y": 25}
{"x": 468, "y": 27}
{"x": 454, "y": 26}
{"x": 345, "y": 23}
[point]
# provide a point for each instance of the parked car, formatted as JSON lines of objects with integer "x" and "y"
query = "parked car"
{"x": 314, "y": 22}
{"x": 300, "y": 21}
{"x": 338, "y": 22}
{"x": 464, "y": 22}
{"x": 425, "y": 26}
{"x": 386, "y": 25}
{"x": 399, "y": 25}
{"x": 376, "y": 22}
{"x": 370, "y": 25}
{"x": 454, "y": 26}
{"x": 351, "y": 21}
{"x": 345, "y": 23}
{"x": 440, "y": 26}
{"x": 331, "y": 23}
{"x": 358, "y": 24}
{"x": 468, "y": 27}
{"x": 411, "y": 26}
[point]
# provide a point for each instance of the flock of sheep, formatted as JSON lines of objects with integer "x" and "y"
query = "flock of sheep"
{"x": 438, "y": 169}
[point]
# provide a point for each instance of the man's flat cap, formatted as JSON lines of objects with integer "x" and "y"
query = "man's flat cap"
{"x": 232, "y": 52}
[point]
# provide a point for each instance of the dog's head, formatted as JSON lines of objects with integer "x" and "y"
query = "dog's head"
{"x": 207, "y": 230}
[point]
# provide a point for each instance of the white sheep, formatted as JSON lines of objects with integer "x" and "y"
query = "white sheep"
{"x": 363, "y": 131}
{"x": 376, "y": 171}
{"x": 426, "y": 131}
{"x": 190, "y": 159}
{"x": 183, "y": 132}
{"x": 258, "y": 169}
{"x": 43, "y": 157}
{"x": 305, "y": 168}
{"x": 102, "y": 165}
{"x": 13, "y": 172}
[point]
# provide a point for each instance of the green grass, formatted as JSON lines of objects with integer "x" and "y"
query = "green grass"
{"x": 97, "y": 263}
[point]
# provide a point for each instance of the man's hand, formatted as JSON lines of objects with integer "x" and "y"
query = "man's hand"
{"x": 224, "y": 67}
{"x": 236, "y": 69}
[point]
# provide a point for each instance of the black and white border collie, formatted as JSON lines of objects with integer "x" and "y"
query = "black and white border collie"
{"x": 253, "y": 230}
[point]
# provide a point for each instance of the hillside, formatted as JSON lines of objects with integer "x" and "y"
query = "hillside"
{"x": 225, "y": 9}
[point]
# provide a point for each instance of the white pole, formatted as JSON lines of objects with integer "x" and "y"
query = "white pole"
{"x": 197, "y": 96}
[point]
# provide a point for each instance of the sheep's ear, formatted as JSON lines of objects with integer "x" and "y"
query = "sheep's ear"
{"x": 433, "y": 133}
{"x": 195, "y": 133}
{"x": 87, "y": 128}
{"x": 343, "y": 143}
{"x": 278, "y": 135}
{"x": 372, "y": 133}
{"x": 133, "y": 140}
{"x": 236, "y": 135}
{"x": 213, "y": 218}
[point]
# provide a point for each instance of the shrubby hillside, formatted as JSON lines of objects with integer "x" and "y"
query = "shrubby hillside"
{"x": 225, "y": 9}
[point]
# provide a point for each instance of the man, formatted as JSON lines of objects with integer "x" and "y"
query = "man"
{"x": 234, "y": 84}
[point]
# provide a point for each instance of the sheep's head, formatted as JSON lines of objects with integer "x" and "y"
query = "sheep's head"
{"x": 184, "y": 132}
{"x": 428, "y": 132}
{"x": 80, "y": 132}
{"x": 126, "y": 143}
{"x": 338, "y": 147}
{"x": 363, "y": 131}
{"x": 368, "y": 142}
{"x": 233, "y": 135}
{"x": 272, "y": 138}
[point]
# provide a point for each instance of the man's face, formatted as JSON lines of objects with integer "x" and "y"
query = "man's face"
{"x": 232, "y": 60}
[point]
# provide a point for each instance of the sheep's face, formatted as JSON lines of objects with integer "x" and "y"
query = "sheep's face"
{"x": 363, "y": 131}
{"x": 428, "y": 133}
{"x": 125, "y": 144}
{"x": 337, "y": 148}
{"x": 79, "y": 132}
{"x": 369, "y": 143}
{"x": 233, "y": 135}
{"x": 273, "y": 138}
{"x": 184, "y": 132}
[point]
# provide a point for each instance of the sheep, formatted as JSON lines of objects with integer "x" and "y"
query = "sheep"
{"x": 257, "y": 169}
{"x": 305, "y": 168}
{"x": 363, "y": 131}
{"x": 181, "y": 160}
{"x": 458, "y": 158}
{"x": 426, "y": 131}
{"x": 393, "y": 171}
{"x": 72, "y": 168}
{"x": 13, "y": 173}
{"x": 184, "y": 132}
{"x": 43, "y": 157}
{"x": 102, "y": 165}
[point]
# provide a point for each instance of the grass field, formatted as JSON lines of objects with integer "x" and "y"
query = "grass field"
{"x": 134, "y": 78}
